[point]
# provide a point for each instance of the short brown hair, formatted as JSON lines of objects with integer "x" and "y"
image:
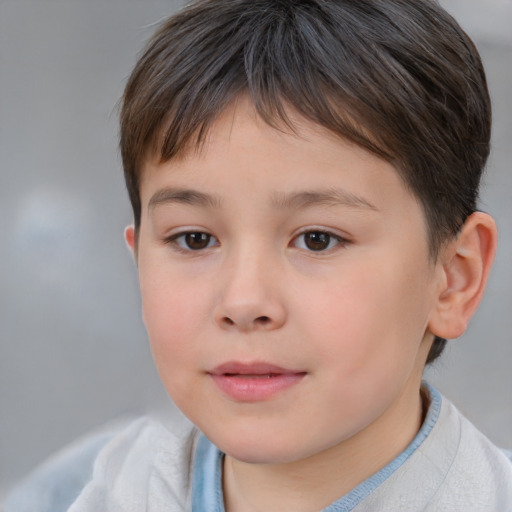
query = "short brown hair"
{"x": 398, "y": 77}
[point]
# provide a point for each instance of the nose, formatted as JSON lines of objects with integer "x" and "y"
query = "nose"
{"x": 250, "y": 299}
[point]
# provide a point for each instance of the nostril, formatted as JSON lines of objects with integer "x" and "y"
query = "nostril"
{"x": 247, "y": 322}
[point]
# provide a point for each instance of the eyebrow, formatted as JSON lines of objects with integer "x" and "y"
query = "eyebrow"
{"x": 328, "y": 197}
{"x": 183, "y": 196}
{"x": 295, "y": 200}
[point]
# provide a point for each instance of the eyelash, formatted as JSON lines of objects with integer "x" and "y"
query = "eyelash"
{"x": 332, "y": 237}
{"x": 175, "y": 239}
{"x": 179, "y": 243}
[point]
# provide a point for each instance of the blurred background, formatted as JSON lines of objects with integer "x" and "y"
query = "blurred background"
{"x": 73, "y": 351}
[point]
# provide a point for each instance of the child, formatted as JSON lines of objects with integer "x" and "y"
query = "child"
{"x": 304, "y": 179}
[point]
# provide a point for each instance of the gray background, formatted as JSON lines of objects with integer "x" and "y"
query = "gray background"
{"x": 73, "y": 349}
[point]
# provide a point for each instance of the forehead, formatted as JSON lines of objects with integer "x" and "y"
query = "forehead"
{"x": 172, "y": 141}
{"x": 239, "y": 139}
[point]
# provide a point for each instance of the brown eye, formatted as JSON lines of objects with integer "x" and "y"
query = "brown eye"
{"x": 317, "y": 240}
{"x": 197, "y": 241}
{"x": 192, "y": 241}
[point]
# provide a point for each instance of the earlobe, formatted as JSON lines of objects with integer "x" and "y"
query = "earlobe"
{"x": 130, "y": 237}
{"x": 466, "y": 263}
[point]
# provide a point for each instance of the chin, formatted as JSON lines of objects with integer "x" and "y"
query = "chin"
{"x": 252, "y": 456}
{"x": 272, "y": 449}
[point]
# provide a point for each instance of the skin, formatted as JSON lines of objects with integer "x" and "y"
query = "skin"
{"x": 356, "y": 318}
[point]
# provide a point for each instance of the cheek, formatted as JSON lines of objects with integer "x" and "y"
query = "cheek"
{"x": 370, "y": 319}
{"x": 172, "y": 315}
{"x": 171, "y": 331}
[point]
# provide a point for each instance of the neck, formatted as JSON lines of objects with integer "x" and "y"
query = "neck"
{"x": 313, "y": 483}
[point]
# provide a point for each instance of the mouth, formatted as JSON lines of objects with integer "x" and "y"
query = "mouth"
{"x": 254, "y": 381}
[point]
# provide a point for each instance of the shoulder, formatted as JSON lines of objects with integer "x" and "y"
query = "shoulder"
{"x": 481, "y": 474}
{"x": 145, "y": 467}
{"x": 110, "y": 467}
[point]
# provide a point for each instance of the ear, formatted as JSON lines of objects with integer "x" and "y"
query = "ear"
{"x": 465, "y": 266}
{"x": 130, "y": 237}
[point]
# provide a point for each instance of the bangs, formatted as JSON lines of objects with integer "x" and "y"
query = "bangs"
{"x": 268, "y": 67}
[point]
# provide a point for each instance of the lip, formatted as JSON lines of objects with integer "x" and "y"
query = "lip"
{"x": 253, "y": 382}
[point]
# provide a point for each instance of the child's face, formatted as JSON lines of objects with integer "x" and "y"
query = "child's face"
{"x": 303, "y": 257}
